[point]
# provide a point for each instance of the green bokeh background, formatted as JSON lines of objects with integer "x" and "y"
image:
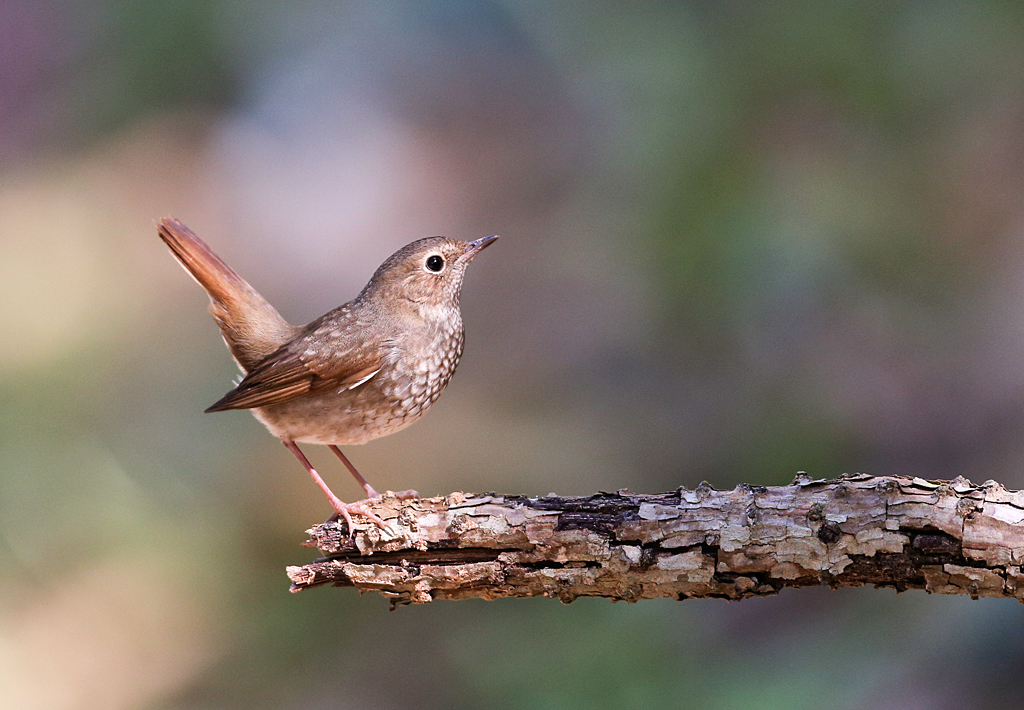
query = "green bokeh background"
{"x": 740, "y": 240}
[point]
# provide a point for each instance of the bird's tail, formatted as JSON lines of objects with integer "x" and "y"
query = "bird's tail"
{"x": 252, "y": 328}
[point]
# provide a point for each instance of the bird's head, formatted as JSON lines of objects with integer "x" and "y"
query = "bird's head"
{"x": 427, "y": 272}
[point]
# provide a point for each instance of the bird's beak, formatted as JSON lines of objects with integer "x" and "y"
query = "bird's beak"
{"x": 476, "y": 246}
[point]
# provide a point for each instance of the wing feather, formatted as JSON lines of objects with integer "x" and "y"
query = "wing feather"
{"x": 321, "y": 359}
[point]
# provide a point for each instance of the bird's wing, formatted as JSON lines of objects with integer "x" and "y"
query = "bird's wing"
{"x": 322, "y": 359}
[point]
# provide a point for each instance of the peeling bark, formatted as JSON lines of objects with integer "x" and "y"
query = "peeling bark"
{"x": 950, "y": 537}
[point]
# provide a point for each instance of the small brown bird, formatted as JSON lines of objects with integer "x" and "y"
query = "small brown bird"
{"x": 364, "y": 370}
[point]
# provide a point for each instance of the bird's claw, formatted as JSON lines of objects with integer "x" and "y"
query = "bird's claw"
{"x": 347, "y": 510}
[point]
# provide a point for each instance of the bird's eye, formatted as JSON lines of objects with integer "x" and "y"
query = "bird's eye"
{"x": 435, "y": 263}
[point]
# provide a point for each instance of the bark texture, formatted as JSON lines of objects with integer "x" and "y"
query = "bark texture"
{"x": 950, "y": 537}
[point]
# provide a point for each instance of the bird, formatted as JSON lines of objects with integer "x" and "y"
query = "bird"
{"x": 366, "y": 369}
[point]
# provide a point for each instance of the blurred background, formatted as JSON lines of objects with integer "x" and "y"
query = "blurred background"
{"x": 739, "y": 240}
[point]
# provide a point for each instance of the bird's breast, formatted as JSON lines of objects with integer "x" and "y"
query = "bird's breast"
{"x": 422, "y": 367}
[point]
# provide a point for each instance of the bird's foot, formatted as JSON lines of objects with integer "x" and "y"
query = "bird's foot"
{"x": 347, "y": 510}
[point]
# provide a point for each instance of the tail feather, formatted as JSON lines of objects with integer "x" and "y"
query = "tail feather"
{"x": 252, "y": 328}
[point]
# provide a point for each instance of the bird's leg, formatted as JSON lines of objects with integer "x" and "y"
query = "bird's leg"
{"x": 370, "y": 491}
{"x": 343, "y": 509}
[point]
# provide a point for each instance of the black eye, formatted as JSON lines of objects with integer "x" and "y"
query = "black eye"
{"x": 435, "y": 263}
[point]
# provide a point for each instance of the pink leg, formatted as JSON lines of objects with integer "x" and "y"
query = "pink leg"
{"x": 370, "y": 492}
{"x": 343, "y": 509}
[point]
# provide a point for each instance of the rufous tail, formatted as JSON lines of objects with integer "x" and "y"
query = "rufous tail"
{"x": 252, "y": 328}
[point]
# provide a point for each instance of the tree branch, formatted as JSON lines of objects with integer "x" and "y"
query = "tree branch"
{"x": 950, "y": 537}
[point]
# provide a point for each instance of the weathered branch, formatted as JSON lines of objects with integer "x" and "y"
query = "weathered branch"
{"x": 950, "y": 537}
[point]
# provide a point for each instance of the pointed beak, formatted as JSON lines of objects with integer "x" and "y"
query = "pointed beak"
{"x": 476, "y": 246}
